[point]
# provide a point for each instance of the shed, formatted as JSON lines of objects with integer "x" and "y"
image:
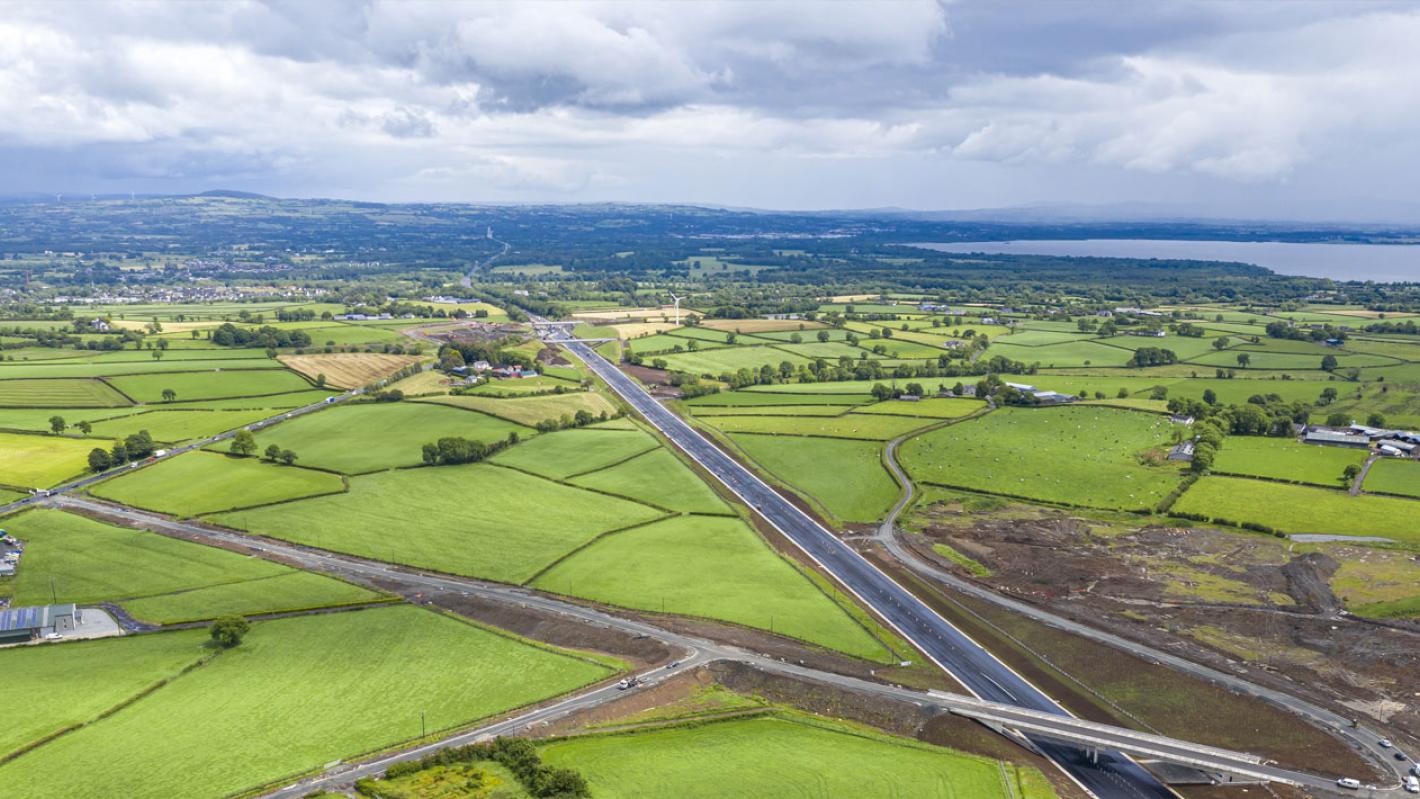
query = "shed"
{"x": 19, "y": 625}
{"x": 1333, "y": 438}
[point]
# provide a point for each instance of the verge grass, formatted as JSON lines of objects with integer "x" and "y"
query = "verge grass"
{"x": 478, "y": 520}
{"x": 712, "y": 567}
{"x": 297, "y": 693}
{"x": 208, "y": 482}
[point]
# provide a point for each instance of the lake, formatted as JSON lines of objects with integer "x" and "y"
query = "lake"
{"x": 1384, "y": 263}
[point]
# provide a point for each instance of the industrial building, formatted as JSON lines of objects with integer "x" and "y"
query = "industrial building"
{"x": 18, "y": 625}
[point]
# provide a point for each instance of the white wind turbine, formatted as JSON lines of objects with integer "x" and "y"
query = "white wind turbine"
{"x": 677, "y": 308}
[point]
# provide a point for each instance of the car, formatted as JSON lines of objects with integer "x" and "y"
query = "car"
{"x": 1385, "y": 743}
{"x": 673, "y": 664}
{"x": 1349, "y": 782}
{"x": 1401, "y": 757}
{"x": 1412, "y": 784}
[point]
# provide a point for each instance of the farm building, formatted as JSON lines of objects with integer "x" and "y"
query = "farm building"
{"x": 1183, "y": 451}
{"x": 19, "y": 625}
{"x": 1333, "y": 438}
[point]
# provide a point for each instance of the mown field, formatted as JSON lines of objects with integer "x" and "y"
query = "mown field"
{"x": 931, "y": 408}
{"x": 366, "y": 437}
{"x": 784, "y": 755}
{"x": 479, "y": 520}
{"x": 1389, "y": 476}
{"x": 531, "y": 410}
{"x": 1090, "y": 456}
{"x": 871, "y": 427}
{"x": 175, "y": 426}
{"x": 59, "y": 393}
{"x": 847, "y": 478}
{"x": 1285, "y": 459}
{"x": 661, "y": 566}
{"x": 156, "y": 578}
{"x": 297, "y": 693}
{"x": 40, "y": 461}
{"x": 1302, "y": 509}
{"x": 208, "y": 482}
{"x": 209, "y": 384}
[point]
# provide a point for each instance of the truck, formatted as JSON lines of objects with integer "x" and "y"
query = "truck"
{"x": 629, "y": 682}
{"x": 158, "y": 453}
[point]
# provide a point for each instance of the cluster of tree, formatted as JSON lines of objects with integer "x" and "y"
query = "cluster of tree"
{"x": 1153, "y": 356}
{"x": 136, "y": 446}
{"x": 296, "y": 314}
{"x": 387, "y": 395}
{"x": 1310, "y": 333}
{"x": 227, "y": 631}
{"x": 497, "y": 352}
{"x": 1407, "y": 327}
{"x": 452, "y": 450}
{"x": 581, "y": 419}
{"x": 518, "y": 755}
{"x": 276, "y": 454}
{"x": 1187, "y": 330}
{"x": 229, "y": 335}
{"x": 57, "y": 425}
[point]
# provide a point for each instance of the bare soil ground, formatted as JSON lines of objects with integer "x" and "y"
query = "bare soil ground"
{"x": 655, "y": 381}
{"x": 1238, "y": 602}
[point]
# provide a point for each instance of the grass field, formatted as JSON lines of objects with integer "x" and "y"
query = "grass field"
{"x": 348, "y": 370}
{"x": 296, "y": 694}
{"x": 1285, "y": 459}
{"x": 366, "y": 437}
{"x": 208, "y": 482}
{"x": 174, "y": 426}
{"x": 569, "y": 452}
{"x": 730, "y": 359}
{"x": 1087, "y": 456}
{"x": 751, "y": 398}
{"x": 480, "y": 520}
{"x": 40, "y": 461}
{"x": 712, "y": 567}
{"x": 1302, "y": 509}
{"x": 871, "y": 427}
{"x": 531, "y": 410}
{"x": 1388, "y": 476}
{"x": 85, "y": 561}
{"x": 846, "y": 477}
{"x": 1070, "y": 353}
{"x": 787, "y": 756}
{"x": 59, "y": 393}
{"x": 770, "y": 410}
{"x": 931, "y": 407}
{"x": 209, "y": 384}
{"x": 659, "y": 478}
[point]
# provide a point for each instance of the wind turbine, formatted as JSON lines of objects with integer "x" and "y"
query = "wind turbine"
{"x": 677, "y": 308}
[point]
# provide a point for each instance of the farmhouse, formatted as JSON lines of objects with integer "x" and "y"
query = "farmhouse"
{"x": 1150, "y": 333}
{"x": 1334, "y": 438}
{"x": 19, "y": 625}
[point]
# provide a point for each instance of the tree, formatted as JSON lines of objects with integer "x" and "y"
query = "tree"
{"x": 119, "y": 454}
{"x": 99, "y": 459}
{"x": 1328, "y": 396}
{"x": 84, "y": 427}
{"x": 1210, "y": 396}
{"x": 139, "y": 444}
{"x": 320, "y": 380}
{"x": 288, "y": 457}
{"x": 273, "y": 453}
{"x": 227, "y": 631}
{"x": 1349, "y": 474}
{"x": 1328, "y": 362}
{"x": 1375, "y": 420}
{"x": 823, "y": 335}
{"x": 1244, "y": 359}
{"x": 243, "y": 443}
{"x": 1221, "y": 342}
{"x": 730, "y": 338}
{"x": 169, "y": 395}
{"x": 57, "y": 424}
{"x": 1338, "y": 420}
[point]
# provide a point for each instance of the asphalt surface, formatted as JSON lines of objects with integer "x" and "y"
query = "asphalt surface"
{"x": 85, "y": 482}
{"x": 467, "y": 280}
{"x": 1107, "y": 774}
{"x": 1363, "y": 739}
{"x": 694, "y": 652}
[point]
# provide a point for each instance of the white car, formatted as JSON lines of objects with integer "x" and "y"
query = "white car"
{"x": 1385, "y": 743}
{"x": 1349, "y": 782}
{"x": 1412, "y": 784}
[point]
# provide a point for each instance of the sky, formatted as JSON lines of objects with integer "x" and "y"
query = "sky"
{"x": 1256, "y": 109}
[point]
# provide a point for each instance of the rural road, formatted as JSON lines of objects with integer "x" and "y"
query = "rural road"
{"x": 696, "y": 652}
{"x": 1108, "y": 775}
{"x": 467, "y": 281}
{"x": 1363, "y": 739}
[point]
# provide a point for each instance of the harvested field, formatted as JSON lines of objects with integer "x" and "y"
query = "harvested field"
{"x": 59, "y": 393}
{"x": 348, "y": 370}
{"x": 531, "y": 410}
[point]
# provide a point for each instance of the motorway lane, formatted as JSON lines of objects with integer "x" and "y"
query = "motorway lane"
{"x": 85, "y": 482}
{"x": 1110, "y": 775}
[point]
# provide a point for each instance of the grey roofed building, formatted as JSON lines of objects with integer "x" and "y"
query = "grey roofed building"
{"x": 1335, "y": 438}
{"x": 18, "y": 625}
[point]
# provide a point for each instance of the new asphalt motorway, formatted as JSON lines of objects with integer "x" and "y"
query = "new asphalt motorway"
{"x": 1106, "y": 774}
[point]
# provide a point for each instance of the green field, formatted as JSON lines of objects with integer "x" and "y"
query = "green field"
{"x": 1390, "y": 476}
{"x": 659, "y": 478}
{"x": 76, "y": 559}
{"x": 570, "y": 452}
{"x": 209, "y": 385}
{"x": 208, "y": 482}
{"x": 847, "y": 478}
{"x": 297, "y": 693}
{"x": 1302, "y": 509}
{"x": 40, "y": 461}
{"x": 367, "y": 437}
{"x": 730, "y": 359}
{"x": 662, "y": 566}
{"x": 1070, "y": 353}
{"x": 1285, "y": 459}
{"x": 38, "y": 418}
{"x": 479, "y": 520}
{"x": 870, "y": 427}
{"x": 531, "y": 410}
{"x": 789, "y": 756}
{"x": 174, "y": 426}
{"x": 1088, "y": 456}
{"x": 52, "y": 393}
{"x": 770, "y": 410}
{"x": 931, "y": 407}
{"x": 752, "y": 398}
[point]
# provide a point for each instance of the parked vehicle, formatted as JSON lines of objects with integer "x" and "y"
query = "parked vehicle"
{"x": 1412, "y": 784}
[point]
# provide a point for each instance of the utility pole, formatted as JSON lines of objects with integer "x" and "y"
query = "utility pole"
{"x": 422, "y": 732}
